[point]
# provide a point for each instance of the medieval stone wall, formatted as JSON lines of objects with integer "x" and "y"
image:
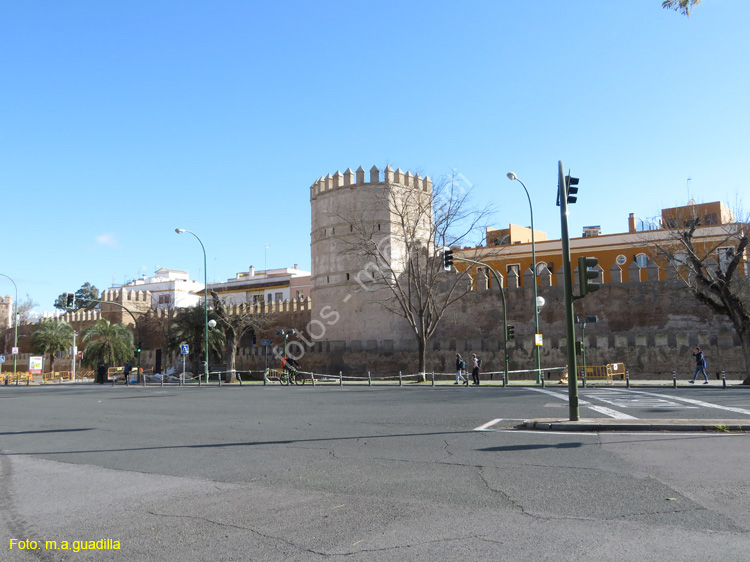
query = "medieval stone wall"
{"x": 651, "y": 326}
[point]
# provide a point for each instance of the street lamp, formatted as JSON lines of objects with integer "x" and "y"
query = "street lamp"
{"x": 15, "y": 325}
{"x": 205, "y": 297}
{"x": 512, "y": 176}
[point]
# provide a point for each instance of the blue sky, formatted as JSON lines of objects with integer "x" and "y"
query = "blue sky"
{"x": 121, "y": 121}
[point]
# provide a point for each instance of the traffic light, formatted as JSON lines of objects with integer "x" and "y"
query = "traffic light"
{"x": 70, "y": 299}
{"x": 511, "y": 332}
{"x": 571, "y": 188}
{"x": 447, "y": 259}
{"x": 586, "y": 275}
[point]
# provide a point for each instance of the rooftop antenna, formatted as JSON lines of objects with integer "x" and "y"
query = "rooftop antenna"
{"x": 688, "y": 189}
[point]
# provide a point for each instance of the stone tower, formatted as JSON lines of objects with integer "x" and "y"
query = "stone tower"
{"x": 343, "y": 207}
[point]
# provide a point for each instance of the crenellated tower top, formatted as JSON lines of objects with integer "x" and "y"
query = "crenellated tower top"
{"x": 351, "y": 180}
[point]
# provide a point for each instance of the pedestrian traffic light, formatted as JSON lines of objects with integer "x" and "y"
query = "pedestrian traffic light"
{"x": 586, "y": 275}
{"x": 70, "y": 299}
{"x": 511, "y": 333}
{"x": 571, "y": 189}
{"x": 447, "y": 259}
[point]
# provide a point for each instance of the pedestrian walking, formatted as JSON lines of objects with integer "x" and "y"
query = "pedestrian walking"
{"x": 700, "y": 365}
{"x": 475, "y": 363}
{"x": 460, "y": 366}
{"x": 126, "y": 370}
{"x": 101, "y": 373}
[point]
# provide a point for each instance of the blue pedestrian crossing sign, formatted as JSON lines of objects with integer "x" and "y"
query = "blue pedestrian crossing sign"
{"x": 184, "y": 349}
{"x": 2, "y": 358}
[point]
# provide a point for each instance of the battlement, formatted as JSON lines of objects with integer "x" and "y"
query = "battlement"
{"x": 123, "y": 296}
{"x": 350, "y": 179}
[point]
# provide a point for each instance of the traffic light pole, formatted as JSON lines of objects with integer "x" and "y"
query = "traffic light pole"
{"x": 570, "y": 330}
{"x": 505, "y": 313}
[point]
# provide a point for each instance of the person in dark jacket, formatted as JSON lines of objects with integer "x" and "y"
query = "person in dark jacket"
{"x": 101, "y": 373}
{"x": 460, "y": 366}
{"x": 700, "y": 365}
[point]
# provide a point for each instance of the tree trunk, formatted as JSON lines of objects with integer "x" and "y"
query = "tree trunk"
{"x": 231, "y": 356}
{"x": 422, "y": 350}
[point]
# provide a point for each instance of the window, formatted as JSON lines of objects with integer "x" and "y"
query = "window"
{"x": 164, "y": 299}
{"x": 278, "y": 297}
{"x": 621, "y": 259}
{"x": 514, "y": 268}
{"x": 541, "y": 268}
{"x": 641, "y": 260}
{"x": 300, "y": 295}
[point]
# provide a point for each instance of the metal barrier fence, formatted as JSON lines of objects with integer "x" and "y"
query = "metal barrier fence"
{"x": 522, "y": 377}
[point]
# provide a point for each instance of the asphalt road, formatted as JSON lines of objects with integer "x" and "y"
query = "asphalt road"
{"x": 359, "y": 473}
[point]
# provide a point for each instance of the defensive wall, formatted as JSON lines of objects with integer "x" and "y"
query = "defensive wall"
{"x": 651, "y": 326}
{"x": 154, "y": 325}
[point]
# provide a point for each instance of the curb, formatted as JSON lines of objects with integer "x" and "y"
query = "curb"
{"x": 716, "y": 426}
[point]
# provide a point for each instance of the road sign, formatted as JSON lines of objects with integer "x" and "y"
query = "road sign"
{"x": 2, "y": 358}
{"x": 538, "y": 340}
{"x": 14, "y": 351}
{"x": 184, "y": 349}
{"x": 265, "y": 341}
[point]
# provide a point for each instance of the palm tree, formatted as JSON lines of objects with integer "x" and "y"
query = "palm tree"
{"x": 111, "y": 344}
{"x": 188, "y": 327}
{"x": 50, "y": 337}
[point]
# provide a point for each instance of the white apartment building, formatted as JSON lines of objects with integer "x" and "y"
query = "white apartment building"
{"x": 272, "y": 285}
{"x": 170, "y": 288}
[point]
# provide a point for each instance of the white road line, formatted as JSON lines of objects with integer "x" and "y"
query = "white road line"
{"x": 608, "y": 412}
{"x": 626, "y": 399}
{"x": 488, "y": 425}
{"x": 696, "y": 402}
{"x": 600, "y": 409}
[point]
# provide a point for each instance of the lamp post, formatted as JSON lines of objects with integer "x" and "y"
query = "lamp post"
{"x": 15, "y": 325}
{"x": 205, "y": 297}
{"x": 512, "y": 176}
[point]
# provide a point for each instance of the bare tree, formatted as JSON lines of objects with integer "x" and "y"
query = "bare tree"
{"x": 713, "y": 265}
{"x": 236, "y": 321}
{"x": 404, "y": 270}
{"x": 24, "y": 308}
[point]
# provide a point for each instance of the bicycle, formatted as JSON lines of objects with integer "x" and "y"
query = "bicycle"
{"x": 292, "y": 376}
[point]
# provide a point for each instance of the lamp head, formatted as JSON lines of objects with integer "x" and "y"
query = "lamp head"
{"x": 512, "y": 176}
{"x": 179, "y": 230}
{"x": 212, "y": 323}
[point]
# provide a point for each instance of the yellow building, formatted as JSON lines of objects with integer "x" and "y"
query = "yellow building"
{"x": 623, "y": 257}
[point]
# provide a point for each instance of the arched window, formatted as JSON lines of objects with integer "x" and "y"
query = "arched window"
{"x": 641, "y": 260}
{"x": 541, "y": 268}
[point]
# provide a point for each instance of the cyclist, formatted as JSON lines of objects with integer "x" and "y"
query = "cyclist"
{"x": 290, "y": 367}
